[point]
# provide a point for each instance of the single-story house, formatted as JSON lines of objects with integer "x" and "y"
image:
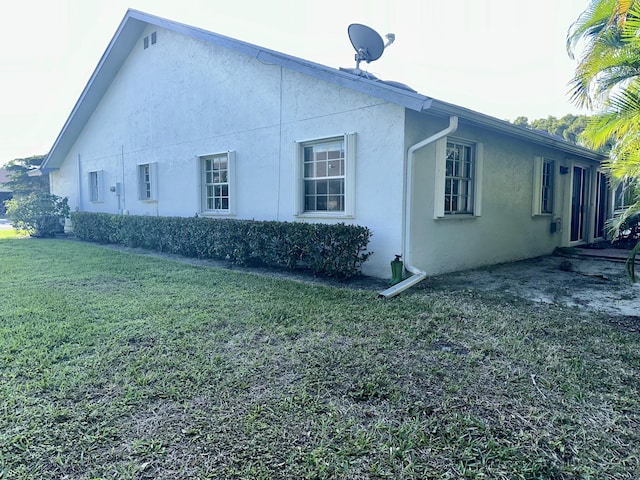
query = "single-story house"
{"x": 179, "y": 121}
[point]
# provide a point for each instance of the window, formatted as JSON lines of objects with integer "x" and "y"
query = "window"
{"x": 95, "y": 186}
{"x": 623, "y": 195}
{"x": 458, "y": 186}
{"x": 327, "y": 178}
{"x": 543, "y": 186}
{"x": 147, "y": 181}
{"x": 458, "y": 190}
{"x": 217, "y": 185}
{"x": 324, "y": 177}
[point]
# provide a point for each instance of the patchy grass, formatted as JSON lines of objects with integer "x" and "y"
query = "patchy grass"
{"x": 114, "y": 365}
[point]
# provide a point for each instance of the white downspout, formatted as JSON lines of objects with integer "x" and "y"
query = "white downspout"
{"x": 417, "y": 275}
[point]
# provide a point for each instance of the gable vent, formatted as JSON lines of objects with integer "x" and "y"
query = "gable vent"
{"x": 154, "y": 40}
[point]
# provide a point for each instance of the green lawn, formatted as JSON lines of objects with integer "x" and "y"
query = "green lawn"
{"x": 116, "y": 365}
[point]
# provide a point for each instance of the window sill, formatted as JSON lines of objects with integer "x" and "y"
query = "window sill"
{"x": 538, "y": 215}
{"x": 461, "y": 216}
{"x": 220, "y": 213}
{"x": 325, "y": 215}
{"x": 148, "y": 201}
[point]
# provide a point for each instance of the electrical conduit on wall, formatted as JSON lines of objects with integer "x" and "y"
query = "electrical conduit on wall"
{"x": 417, "y": 275}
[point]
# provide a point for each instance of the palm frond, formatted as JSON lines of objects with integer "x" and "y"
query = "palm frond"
{"x": 609, "y": 59}
{"x": 589, "y": 24}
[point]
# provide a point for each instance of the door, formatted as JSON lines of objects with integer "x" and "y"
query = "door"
{"x": 602, "y": 190}
{"x": 579, "y": 204}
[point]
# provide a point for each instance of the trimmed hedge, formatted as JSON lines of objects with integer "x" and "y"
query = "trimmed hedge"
{"x": 336, "y": 250}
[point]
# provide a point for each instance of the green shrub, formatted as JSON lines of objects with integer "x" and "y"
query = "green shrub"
{"x": 40, "y": 214}
{"x": 329, "y": 250}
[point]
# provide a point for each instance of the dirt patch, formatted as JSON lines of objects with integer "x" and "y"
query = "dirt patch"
{"x": 591, "y": 284}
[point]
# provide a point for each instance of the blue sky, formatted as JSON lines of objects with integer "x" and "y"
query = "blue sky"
{"x": 504, "y": 58}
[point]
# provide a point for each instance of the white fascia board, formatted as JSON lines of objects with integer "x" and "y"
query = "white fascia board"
{"x": 502, "y": 126}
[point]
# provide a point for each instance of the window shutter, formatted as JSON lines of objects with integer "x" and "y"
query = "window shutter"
{"x": 231, "y": 165}
{"x": 350, "y": 173}
{"x": 440, "y": 173}
{"x": 557, "y": 191}
{"x": 90, "y": 189}
{"x": 199, "y": 192}
{"x": 153, "y": 177}
{"x": 536, "y": 202}
{"x": 141, "y": 182}
{"x": 299, "y": 201}
{"x": 477, "y": 181}
{"x": 100, "y": 176}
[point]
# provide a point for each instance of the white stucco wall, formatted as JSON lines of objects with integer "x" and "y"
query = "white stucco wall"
{"x": 506, "y": 230}
{"x": 181, "y": 98}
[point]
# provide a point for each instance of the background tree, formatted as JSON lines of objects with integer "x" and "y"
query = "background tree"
{"x": 569, "y": 127}
{"x": 20, "y": 183}
{"x": 521, "y": 121}
{"x": 607, "y": 80}
{"x": 40, "y": 214}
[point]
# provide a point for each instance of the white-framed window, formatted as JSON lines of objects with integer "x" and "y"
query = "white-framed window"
{"x": 96, "y": 182}
{"x": 544, "y": 174}
{"x": 217, "y": 174}
{"x": 458, "y": 180}
{"x": 147, "y": 182}
{"x": 327, "y": 176}
{"x": 459, "y": 173}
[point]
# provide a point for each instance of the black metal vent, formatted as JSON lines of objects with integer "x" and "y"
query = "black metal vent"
{"x": 154, "y": 40}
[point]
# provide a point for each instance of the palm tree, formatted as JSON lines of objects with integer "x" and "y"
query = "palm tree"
{"x": 607, "y": 81}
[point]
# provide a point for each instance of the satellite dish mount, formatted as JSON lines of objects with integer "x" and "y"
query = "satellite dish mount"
{"x": 368, "y": 45}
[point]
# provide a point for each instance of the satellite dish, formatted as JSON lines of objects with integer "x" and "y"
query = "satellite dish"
{"x": 367, "y": 43}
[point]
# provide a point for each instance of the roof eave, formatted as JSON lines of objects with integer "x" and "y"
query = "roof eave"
{"x": 507, "y": 128}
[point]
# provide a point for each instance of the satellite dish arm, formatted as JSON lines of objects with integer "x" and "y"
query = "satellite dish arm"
{"x": 391, "y": 37}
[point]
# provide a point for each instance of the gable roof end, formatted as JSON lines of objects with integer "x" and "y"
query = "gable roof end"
{"x": 112, "y": 59}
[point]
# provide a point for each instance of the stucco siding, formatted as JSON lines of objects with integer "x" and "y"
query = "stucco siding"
{"x": 506, "y": 229}
{"x": 156, "y": 111}
{"x": 182, "y": 98}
